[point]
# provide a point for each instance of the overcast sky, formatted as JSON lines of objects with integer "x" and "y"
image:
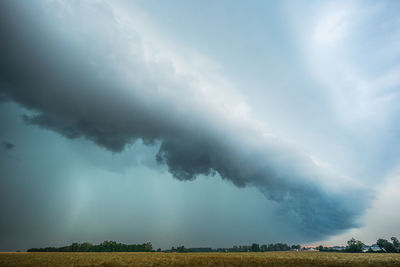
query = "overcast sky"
{"x": 202, "y": 123}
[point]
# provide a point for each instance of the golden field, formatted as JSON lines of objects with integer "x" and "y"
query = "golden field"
{"x": 197, "y": 259}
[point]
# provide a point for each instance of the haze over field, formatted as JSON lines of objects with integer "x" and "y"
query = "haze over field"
{"x": 203, "y": 123}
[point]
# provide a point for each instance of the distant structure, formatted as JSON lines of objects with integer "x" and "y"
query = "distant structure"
{"x": 374, "y": 248}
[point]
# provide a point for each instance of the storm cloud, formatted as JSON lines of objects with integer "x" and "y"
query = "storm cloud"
{"x": 89, "y": 70}
{"x": 7, "y": 145}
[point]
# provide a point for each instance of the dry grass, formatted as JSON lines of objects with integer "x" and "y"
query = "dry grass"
{"x": 198, "y": 259}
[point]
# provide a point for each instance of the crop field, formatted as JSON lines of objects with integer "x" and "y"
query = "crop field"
{"x": 197, "y": 259}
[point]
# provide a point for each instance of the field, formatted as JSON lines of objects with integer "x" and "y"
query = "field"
{"x": 197, "y": 259}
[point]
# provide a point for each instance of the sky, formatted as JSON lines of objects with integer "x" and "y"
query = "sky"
{"x": 199, "y": 123}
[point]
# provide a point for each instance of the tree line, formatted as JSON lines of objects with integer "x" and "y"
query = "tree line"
{"x": 252, "y": 248}
{"x": 112, "y": 246}
{"x": 106, "y": 246}
{"x": 355, "y": 246}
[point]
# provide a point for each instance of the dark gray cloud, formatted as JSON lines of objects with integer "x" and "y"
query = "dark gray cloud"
{"x": 86, "y": 76}
{"x": 7, "y": 145}
{"x": 2, "y": 98}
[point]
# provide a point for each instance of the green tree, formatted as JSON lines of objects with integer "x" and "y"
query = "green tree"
{"x": 255, "y": 247}
{"x": 296, "y": 246}
{"x": 180, "y": 249}
{"x": 386, "y": 245}
{"x": 354, "y": 245}
{"x": 396, "y": 243}
{"x": 148, "y": 246}
{"x": 85, "y": 247}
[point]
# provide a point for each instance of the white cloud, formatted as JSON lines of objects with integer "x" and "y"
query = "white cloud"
{"x": 333, "y": 25}
{"x": 341, "y": 35}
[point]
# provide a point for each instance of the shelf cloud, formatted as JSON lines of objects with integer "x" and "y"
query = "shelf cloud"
{"x": 91, "y": 70}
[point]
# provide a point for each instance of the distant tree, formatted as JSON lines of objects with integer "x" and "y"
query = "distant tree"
{"x": 235, "y": 248}
{"x": 159, "y": 250}
{"x": 354, "y": 245}
{"x": 381, "y": 243}
{"x": 396, "y": 243}
{"x": 255, "y": 247}
{"x": 244, "y": 248}
{"x": 75, "y": 247}
{"x": 386, "y": 245}
{"x": 148, "y": 246}
{"x": 180, "y": 249}
{"x": 296, "y": 247}
{"x": 85, "y": 247}
{"x": 264, "y": 248}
